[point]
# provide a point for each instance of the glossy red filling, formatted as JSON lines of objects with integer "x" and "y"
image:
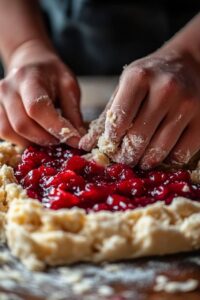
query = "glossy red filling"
{"x": 60, "y": 178}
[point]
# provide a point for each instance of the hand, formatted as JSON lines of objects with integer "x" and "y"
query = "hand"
{"x": 37, "y": 82}
{"x": 155, "y": 113}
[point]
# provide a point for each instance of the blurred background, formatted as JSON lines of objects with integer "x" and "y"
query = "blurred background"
{"x": 98, "y": 37}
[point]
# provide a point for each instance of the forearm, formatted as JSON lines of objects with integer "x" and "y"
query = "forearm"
{"x": 187, "y": 40}
{"x": 20, "y": 25}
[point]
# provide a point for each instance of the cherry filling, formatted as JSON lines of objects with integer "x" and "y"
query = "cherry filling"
{"x": 60, "y": 177}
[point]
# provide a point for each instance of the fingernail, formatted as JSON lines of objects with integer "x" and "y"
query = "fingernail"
{"x": 52, "y": 142}
{"x": 144, "y": 166}
{"x": 84, "y": 144}
{"x": 82, "y": 130}
{"x": 73, "y": 142}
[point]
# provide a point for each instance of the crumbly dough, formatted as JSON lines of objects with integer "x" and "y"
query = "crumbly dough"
{"x": 9, "y": 154}
{"x": 40, "y": 237}
{"x": 163, "y": 284}
{"x": 98, "y": 157}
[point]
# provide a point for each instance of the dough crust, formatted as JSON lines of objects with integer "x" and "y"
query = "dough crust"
{"x": 40, "y": 237}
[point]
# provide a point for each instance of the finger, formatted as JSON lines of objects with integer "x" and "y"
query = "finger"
{"x": 7, "y": 133}
{"x": 132, "y": 90}
{"x": 152, "y": 112}
{"x": 23, "y": 125}
{"x": 164, "y": 139}
{"x": 39, "y": 108}
{"x": 96, "y": 128}
{"x": 187, "y": 146}
{"x": 69, "y": 96}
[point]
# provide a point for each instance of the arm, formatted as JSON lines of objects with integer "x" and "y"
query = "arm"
{"x": 35, "y": 79}
{"x": 187, "y": 40}
{"x": 155, "y": 112}
{"x": 20, "y": 26}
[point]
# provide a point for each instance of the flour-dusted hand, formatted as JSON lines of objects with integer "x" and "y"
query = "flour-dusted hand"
{"x": 33, "y": 87}
{"x": 96, "y": 128}
{"x": 155, "y": 113}
{"x": 36, "y": 81}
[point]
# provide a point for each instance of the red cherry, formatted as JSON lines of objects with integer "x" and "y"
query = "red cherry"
{"x": 93, "y": 194}
{"x": 31, "y": 154}
{"x": 180, "y": 175}
{"x": 143, "y": 201}
{"x": 32, "y": 179}
{"x": 118, "y": 202}
{"x": 99, "y": 206}
{"x": 76, "y": 163}
{"x": 60, "y": 199}
{"x": 156, "y": 178}
{"x": 69, "y": 177}
{"x": 23, "y": 168}
{"x": 169, "y": 200}
{"x": 93, "y": 168}
{"x": 120, "y": 171}
{"x": 131, "y": 187}
{"x": 59, "y": 177}
{"x": 160, "y": 192}
{"x": 32, "y": 194}
{"x": 180, "y": 188}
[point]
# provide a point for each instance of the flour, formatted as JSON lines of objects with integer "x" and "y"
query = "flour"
{"x": 180, "y": 157}
{"x": 106, "y": 145}
{"x": 129, "y": 150}
{"x": 165, "y": 285}
{"x": 153, "y": 155}
{"x": 98, "y": 157}
{"x": 111, "y": 117}
{"x": 43, "y": 98}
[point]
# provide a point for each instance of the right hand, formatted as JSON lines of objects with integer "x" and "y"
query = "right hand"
{"x": 35, "y": 82}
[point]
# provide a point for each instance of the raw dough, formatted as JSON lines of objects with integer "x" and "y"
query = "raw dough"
{"x": 40, "y": 237}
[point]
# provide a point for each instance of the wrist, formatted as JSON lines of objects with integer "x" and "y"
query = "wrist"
{"x": 187, "y": 41}
{"x": 29, "y": 52}
{"x": 177, "y": 49}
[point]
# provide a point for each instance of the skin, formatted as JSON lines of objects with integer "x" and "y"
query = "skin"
{"x": 156, "y": 109}
{"x": 35, "y": 82}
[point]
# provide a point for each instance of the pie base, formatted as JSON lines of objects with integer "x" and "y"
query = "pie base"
{"x": 40, "y": 237}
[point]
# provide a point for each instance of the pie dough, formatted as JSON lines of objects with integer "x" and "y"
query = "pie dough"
{"x": 40, "y": 237}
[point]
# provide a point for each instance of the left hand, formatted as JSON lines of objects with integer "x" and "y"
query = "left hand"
{"x": 155, "y": 113}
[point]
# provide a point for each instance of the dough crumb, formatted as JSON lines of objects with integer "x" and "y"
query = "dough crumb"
{"x": 64, "y": 131}
{"x": 112, "y": 117}
{"x": 82, "y": 287}
{"x": 131, "y": 146}
{"x": 195, "y": 176}
{"x": 106, "y": 145}
{"x": 98, "y": 157}
{"x": 66, "y": 134}
{"x": 163, "y": 284}
{"x": 4, "y": 258}
{"x": 112, "y": 268}
{"x": 9, "y": 154}
{"x": 105, "y": 290}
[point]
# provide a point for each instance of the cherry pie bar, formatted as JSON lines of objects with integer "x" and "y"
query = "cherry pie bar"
{"x": 58, "y": 207}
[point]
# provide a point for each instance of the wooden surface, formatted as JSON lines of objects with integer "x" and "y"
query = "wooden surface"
{"x": 132, "y": 280}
